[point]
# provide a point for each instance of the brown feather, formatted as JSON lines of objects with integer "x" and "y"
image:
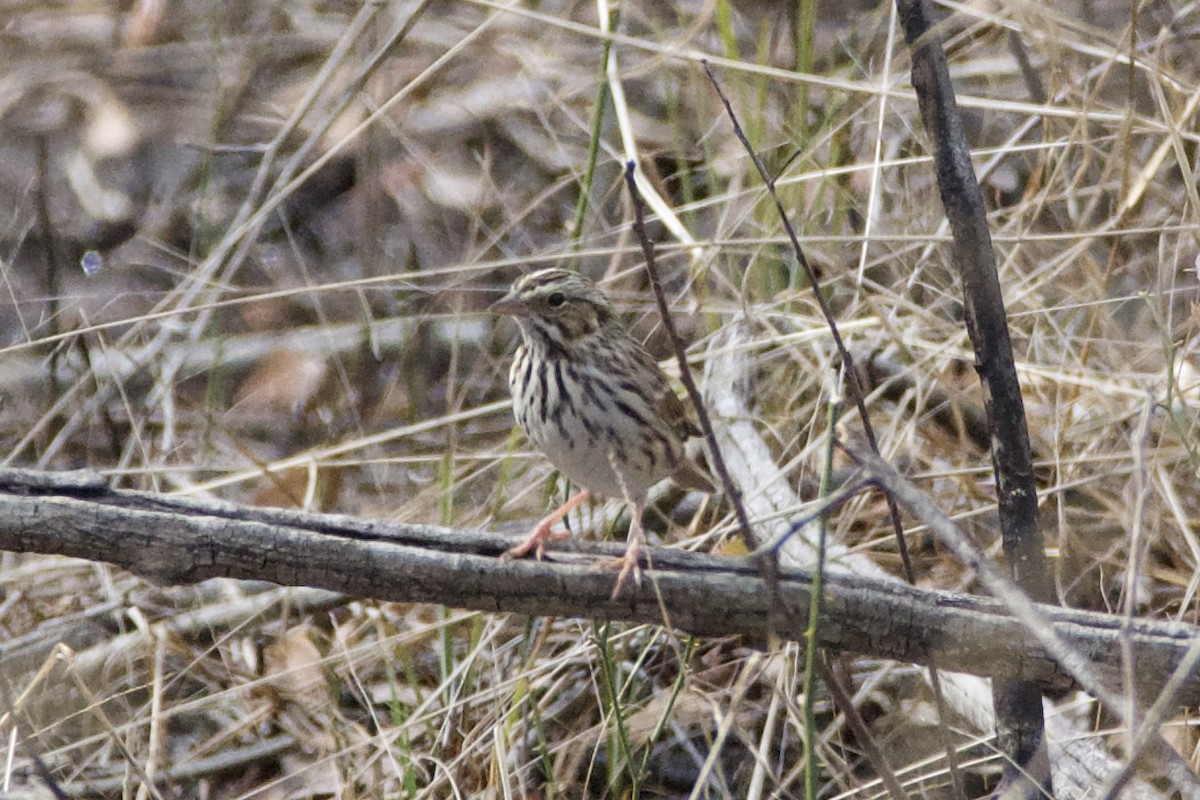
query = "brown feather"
{"x": 687, "y": 473}
{"x": 675, "y": 413}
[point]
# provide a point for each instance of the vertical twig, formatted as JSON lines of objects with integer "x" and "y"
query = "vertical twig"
{"x": 685, "y": 372}
{"x": 1020, "y": 724}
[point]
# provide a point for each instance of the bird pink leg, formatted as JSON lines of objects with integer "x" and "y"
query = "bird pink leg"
{"x": 541, "y": 532}
{"x": 633, "y": 551}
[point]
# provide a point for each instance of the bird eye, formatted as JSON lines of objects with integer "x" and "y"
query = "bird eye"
{"x": 556, "y": 299}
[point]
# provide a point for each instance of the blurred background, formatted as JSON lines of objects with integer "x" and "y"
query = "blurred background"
{"x": 246, "y": 251}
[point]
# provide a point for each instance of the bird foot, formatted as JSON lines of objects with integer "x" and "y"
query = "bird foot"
{"x": 536, "y": 541}
{"x": 628, "y": 564}
{"x": 542, "y": 532}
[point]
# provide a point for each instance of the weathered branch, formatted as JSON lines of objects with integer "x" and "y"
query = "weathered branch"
{"x": 1019, "y": 721}
{"x": 175, "y": 540}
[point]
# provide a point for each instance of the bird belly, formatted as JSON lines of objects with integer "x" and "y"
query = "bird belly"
{"x": 590, "y": 435}
{"x": 593, "y": 468}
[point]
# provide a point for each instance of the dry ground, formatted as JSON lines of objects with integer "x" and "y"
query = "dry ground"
{"x": 240, "y": 236}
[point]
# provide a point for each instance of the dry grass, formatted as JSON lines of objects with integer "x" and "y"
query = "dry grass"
{"x": 286, "y": 286}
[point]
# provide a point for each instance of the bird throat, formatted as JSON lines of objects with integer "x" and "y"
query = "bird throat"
{"x": 558, "y": 337}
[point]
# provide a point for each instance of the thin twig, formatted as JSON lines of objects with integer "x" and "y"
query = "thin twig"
{"x": 862, "y": 734}
{"x": 849, "y": 367}
{"x": 1011, "y": 594}
{"x": 1154, "y": 719}
{"x": 685, "y": 374}
{"x": 857, "y": 393}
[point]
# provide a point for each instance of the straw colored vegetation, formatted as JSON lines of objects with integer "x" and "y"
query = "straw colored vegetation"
{"x": 246, "y": 252}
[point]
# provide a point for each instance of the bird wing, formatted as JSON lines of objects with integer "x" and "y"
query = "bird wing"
{"x": 670, "y": 408}
{"x": 676, "y": 414}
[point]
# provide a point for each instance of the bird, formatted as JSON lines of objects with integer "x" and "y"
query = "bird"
{"x": 593, "y": 400}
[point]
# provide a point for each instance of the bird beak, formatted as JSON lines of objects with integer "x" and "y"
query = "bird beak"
{"x": 509, "y": 306}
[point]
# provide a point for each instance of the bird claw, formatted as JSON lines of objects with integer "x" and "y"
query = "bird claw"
{"x": 536, "y": 542}
{"x": 628, "y": 564}
{"x": 542, "y": 532}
